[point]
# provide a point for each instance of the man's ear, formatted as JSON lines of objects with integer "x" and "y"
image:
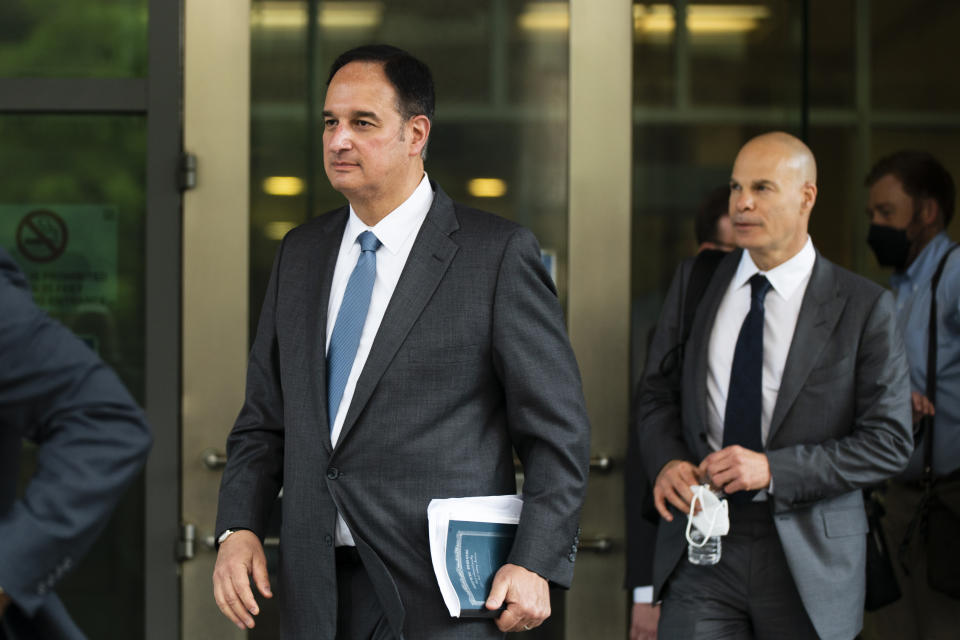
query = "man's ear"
{"x": 419, "y": 129}
{"x": 929, "y": 212}
{"x": 808, "y": 196}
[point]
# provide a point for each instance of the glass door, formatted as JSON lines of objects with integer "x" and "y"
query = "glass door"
{"x": 89, "y": 208}
{"x": 502, "y": 141}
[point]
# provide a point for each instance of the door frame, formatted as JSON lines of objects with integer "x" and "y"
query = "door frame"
{"x": 163, "y": 331}
{"x": 598, "y": 310}
{"x": 215, "y": 282}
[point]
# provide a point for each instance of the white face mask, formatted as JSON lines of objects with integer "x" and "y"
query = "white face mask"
{"x": 713, "y": 519}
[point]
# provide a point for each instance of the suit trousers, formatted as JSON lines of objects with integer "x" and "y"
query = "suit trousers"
{"x": 921, "y": 612}
{"x": 50, "y": 621}
{"x": 749, "y": 594}
{"x": 360, "y": 615}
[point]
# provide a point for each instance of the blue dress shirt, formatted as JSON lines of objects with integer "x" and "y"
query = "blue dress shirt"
{"x": 912, "y": 289}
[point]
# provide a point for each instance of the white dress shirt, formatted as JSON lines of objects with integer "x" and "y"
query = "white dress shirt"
{"x": 396, "y": 231}
{"x": 789, "y": 282}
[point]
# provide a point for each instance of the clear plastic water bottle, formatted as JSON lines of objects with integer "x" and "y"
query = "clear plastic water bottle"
{"x": 706, "y": 555}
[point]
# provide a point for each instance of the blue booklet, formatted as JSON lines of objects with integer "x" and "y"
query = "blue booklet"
{"x": 470, "y": 539}
{"x": 475, "y": 552}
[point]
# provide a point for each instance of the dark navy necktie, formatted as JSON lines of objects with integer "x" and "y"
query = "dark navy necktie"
{"x": 741, "y": 421}
{"x": 350, "y": 320}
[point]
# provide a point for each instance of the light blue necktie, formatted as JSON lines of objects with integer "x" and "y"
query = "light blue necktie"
{"x": 350, "y": 319}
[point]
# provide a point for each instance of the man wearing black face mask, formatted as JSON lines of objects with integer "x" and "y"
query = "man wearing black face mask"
{"x": 910, "y": 204}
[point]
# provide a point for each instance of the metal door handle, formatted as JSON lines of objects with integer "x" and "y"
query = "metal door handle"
{"x": 596, "y": 544}
{"x": 601, "y": 462}
{"x": 213, "y": 459}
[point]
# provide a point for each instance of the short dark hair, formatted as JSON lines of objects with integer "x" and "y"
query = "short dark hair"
{"x": 715, "y": 206}
{"x": 410, "y": 77}
{"x": 922, "y": 176}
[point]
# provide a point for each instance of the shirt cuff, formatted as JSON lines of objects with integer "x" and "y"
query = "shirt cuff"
{"x": 643, "y": 595}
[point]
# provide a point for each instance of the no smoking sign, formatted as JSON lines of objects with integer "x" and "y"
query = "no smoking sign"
{"x": 67, "y": 251}
{"x": 42, "y": 236}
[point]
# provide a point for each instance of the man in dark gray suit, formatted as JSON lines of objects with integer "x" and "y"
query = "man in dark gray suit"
{"x": 407, "y": 347}
{"x": 792, "y": 396}
{"x": 92, "y": 440}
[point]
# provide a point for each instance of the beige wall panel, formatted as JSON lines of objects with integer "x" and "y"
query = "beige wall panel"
{"x": 599, "y": 290}
{"x": 215, "y": 274}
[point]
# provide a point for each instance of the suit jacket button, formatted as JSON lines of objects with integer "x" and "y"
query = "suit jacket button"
{"x": 572, "y": 557}
{"x": 703, "y": 436}
{"x": 328, "y": 540}
{"x": 333, "y": 473}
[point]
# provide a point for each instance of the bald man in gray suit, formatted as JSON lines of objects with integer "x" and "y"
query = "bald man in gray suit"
{"x": 790, "y": 433}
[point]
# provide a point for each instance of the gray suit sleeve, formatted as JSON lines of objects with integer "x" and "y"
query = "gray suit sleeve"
{"x": 546, "y": 413}
{"x": 879, "y": 441}
{"x": 91, "y": 439}
{"x": 254, "y": 472}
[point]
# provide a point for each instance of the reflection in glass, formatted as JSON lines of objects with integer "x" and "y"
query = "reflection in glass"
{"x": 876, "y": 81}
{"x": 913, "y": 55}
{"x": 73, "y": 38}
{"x": 655, "y": 53}
{"x": 72, "y": 214}
{"x": 745, "y": 54}
{"x": 500, "y": 70}
{"x": 832, "y": 52}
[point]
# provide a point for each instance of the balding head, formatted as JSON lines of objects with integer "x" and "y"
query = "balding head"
{"x": 793, "y": 153}
{"x": 772, "y": 191}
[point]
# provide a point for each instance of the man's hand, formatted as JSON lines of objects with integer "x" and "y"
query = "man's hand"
{"x": 643, "y": 621}
{"x": 241, "y": 556}
{"x": 4, "y": 603}
{"x": 526, "y": 595}
{"x": 736, "y": 468}
{"x": 673, "y": 486}
{"x": 922, "y": 406}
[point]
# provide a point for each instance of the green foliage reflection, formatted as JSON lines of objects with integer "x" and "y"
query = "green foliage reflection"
{"x": 73, "y": 38}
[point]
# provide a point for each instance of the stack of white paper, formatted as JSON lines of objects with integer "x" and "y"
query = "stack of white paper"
{"x": 475, "y": 521}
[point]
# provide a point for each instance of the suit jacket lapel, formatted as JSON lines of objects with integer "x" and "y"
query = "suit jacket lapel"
{"x": 699, "y": 343}
{"x": 321, "y": 262}
{"x": 819, "y": 314}
{"x": 431, "y": 255}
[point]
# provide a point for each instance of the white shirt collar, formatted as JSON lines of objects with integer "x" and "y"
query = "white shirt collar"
{"x": 785, "y": 278}
{"x": 395, "y": 227}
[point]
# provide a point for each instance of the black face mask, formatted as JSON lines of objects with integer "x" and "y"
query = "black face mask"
{"x": 889, "y": 245}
